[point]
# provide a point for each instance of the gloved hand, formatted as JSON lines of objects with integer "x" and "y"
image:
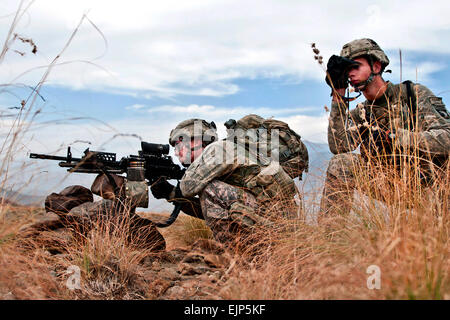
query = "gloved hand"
{"x": 337, "y": 68}
{"x": 383, "y": 139}
{"x": 162, "y": 189}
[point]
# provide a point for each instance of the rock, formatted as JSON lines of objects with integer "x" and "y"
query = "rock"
{"x": 156, "y": 265}
{"x": 197, "y": 289}
{"x": 159, "y": 287}
{"x": 46, "y": 221}
{"x": 88, "y": 210}
{"x": 169, "y": 273}
{"x": 204, "y": 277}
{"x": 208, "y": 245}
{"x": 216, "y": 260}
{"x": 70, "y": 197}
{"x": 176, "y": 293}
{"x": 210, "y": 260}
{"x": 214, "y": 277}
{"x": 189, "y": 270}
{"x": 174, "y": 256}
{"x": 193, "y": 257}
{"x": 8, "y": 296}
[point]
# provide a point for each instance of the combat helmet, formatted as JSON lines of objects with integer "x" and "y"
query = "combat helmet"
{"x": 362, "y": 47}
{"x": 194, "y": 128}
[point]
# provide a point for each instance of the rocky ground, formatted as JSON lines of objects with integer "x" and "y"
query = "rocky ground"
{"x": 194, "y": 269}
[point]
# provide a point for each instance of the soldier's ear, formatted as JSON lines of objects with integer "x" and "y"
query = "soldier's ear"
{"x": 376, "y": 67}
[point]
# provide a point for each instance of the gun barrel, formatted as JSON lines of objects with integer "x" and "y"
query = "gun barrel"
{"x": 95, "y": 171}
{"x": 50, "y": 157}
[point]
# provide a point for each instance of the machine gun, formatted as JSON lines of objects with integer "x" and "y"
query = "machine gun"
{"x": 151, "y": 163}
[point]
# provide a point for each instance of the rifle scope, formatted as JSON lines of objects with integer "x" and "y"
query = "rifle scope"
{"x": 154, "y": 148}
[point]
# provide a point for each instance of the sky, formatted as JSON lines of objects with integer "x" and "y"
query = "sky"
{"x": 130, "y": 71}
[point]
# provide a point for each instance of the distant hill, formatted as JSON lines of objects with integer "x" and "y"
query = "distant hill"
{"x": 319, "y": 156}
{"x": 312, "y": 182}
{"x": 22, "y": 199}
{"x": 318, "y": 151}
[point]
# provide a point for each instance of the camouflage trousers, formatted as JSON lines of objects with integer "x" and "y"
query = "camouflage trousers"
{"x": 342, "y": 176}
{"x": 231, "y": 212}
{"x": 339, "y": 184}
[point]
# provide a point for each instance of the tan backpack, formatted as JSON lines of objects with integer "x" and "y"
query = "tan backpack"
{"x": 293, "y": 154}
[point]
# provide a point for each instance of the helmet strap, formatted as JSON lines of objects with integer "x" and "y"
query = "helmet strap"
{"x": 362, "y": 86}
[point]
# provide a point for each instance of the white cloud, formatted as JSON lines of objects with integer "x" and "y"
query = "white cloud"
{"x": 311, "y": 128}
{"x": 200, "y": 47}
{"x": 135, "y": 107}
{"x": 217, "y": 112}
{"x": 420, "y": 72}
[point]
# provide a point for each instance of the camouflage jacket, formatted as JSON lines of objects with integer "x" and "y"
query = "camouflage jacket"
{"x": 391, "y": 112}
{"x": 225, "y": 161}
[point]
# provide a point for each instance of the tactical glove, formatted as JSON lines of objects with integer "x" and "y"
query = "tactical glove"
{"x": 382, "y": 139}
{"x": 162, "y": 189}
{"x": 337, "y": 71}
{"x": 381, "y": 135}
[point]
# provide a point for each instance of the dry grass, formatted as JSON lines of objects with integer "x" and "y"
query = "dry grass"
{"x": 190, "y": 230}
{"x": 406, "y": 235}
{"x": 25, "y": 266}
{"x": 323, "y": 262}
{"x": 36, "y": 265}
{"x": 110, "y": 265}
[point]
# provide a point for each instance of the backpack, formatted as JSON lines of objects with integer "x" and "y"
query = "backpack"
{"x": 293, "y": 154}
{"x": 439, "y": 107}
{"x": 411, "y": 100}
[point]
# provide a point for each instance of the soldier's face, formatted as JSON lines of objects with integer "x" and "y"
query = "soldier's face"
{"x": 359, "y": 72}
{"x": 188, "y": 151}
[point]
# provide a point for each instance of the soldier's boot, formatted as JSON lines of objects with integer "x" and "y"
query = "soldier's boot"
{"x": 336, "y": 197}
{"x": 226, "y": 231}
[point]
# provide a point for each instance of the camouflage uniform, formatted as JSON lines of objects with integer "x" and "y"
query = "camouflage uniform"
{"x": 348, "y": 130}
{"x": 235, "y": 192}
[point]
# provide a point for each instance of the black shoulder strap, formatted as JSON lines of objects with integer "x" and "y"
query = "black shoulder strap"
{"x": 411, "y": 101}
